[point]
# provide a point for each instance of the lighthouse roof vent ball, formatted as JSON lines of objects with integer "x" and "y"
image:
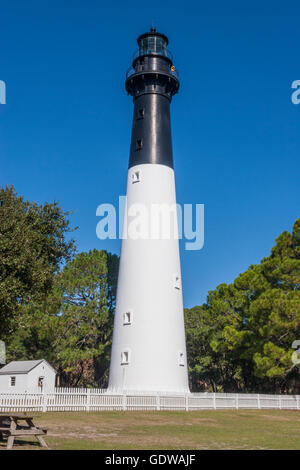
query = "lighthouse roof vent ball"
{"x": 149, "y": 350}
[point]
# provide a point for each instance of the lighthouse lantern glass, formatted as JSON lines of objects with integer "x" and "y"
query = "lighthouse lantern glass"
{"x": 153, "y": 45}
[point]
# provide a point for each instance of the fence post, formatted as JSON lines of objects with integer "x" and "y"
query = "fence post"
{"x": 124, "y": 402}
{"x": 44, "y": 402}
{"x": 88, "y": 399}
{"x": 214, "y": 401}
{"x": 297, "y": 400}
{"x": 280, "y": 402}
{"x": 236, "y": 401}
{"x": 186, "y": 402}
{"x": 258, "y": 402}
{"x": 157, "y": 402}
{"x": 25, "y": 399}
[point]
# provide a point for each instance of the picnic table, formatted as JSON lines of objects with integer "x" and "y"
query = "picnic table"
{"x": 20, "y": 424}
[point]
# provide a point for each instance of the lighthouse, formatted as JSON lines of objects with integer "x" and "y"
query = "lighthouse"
{"x": 148, "y": 348}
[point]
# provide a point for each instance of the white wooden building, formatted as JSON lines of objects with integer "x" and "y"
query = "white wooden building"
{"x": 27, "y": 377}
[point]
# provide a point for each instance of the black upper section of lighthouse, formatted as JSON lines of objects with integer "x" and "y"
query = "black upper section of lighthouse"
{"x": 152, "y": 80}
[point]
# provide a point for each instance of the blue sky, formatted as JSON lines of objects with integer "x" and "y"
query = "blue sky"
{"x": 65, "y": 130}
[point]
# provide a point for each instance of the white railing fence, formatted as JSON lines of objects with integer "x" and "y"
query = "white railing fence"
{"x": 82, "y": 399}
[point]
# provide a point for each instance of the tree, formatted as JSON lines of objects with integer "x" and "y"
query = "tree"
{"x": 242, "y": 336}
{"x": 87, "y": 308}
{"x": 274, "y": 318}
{"x": 33, "y": 246}
{"x": 73, "y": 328}
{"x": 211, "y": 365}
{"x": 203, "y": 362}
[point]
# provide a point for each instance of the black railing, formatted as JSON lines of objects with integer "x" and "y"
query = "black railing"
{"x": 132, "y": 71}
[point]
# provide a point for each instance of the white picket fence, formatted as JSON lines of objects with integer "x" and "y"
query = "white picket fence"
{"x": 80, "y": 399}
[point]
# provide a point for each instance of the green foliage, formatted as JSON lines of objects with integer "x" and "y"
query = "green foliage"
{"x": 32, "y": 248}
{"x": 241, "y": 338}
{"x": 72, "y": 329}
{"x": 86, "y": 313}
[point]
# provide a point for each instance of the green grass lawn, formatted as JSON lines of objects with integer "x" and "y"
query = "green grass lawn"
{"x": 221, "y": 429}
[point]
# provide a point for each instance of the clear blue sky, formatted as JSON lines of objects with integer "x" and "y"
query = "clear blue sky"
{"x": 65, "y": 130}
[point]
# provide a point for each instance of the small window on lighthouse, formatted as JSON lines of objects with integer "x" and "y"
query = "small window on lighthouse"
{"x": 127, "y": 318}
{"x": 141, "y": 113}
{"x": 177, "y": 282}
{"x": 138, "y": 144}
{"x": 124, "y": 357}
{"x": 136, "y": 177}
{"x": 181, "y": 358}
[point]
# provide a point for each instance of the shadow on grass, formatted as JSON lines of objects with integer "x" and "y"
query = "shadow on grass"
{"x": 21, "y": 443}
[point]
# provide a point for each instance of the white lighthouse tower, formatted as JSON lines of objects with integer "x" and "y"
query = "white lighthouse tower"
{"x": 149, "y": 350}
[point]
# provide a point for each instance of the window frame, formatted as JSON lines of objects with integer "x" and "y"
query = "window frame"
{"x": 41, "y": 377}
{"x": 125, "y": 320}
{"x": 181, "y": 361}
{"x": 125, "y": 360}
{"x": 140, "y": 114}
{"x": 12, "y": 380}
{"x": 177, "y": 281}
{"x": 138, "y": 145}
{"x": 136, "y": 176}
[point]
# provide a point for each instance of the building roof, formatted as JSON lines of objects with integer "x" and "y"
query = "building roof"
{"x": 21, "y": 367}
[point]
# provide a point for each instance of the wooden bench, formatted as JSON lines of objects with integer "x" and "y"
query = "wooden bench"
{"x": 10, "y": 427}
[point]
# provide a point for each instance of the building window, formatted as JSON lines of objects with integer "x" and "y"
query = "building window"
{"x": 141, "y": 113}
{"x": 127, "y": 318}
{"x": 136, "y": 176}
{"x": 41, "y": 382}
{"x": 181, "y": 358}
{"x": 125, "y": 357}
{"x": 13, "y": 381}
{"x": 177, "y": 281}
{"x": 138, "y": 144}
